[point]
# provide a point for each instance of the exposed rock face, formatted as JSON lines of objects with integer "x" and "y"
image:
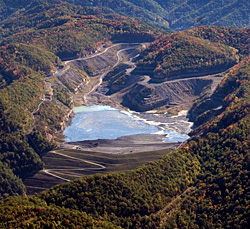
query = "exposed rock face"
{"x": 144, "y": 96}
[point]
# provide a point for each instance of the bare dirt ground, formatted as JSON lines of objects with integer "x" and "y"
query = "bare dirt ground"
{"x": 75, "y": 161}
{"x": 123, "y": 145}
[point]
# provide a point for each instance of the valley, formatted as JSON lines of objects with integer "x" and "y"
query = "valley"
{"x": 111, "y": 119}
{"x": 176, "y": 95}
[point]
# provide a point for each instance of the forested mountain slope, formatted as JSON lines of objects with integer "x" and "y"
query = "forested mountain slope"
{"x": 45, "y": 216}
{"x": 180, "y": 14}
{"x": 67, "y": 30}
{"x": 199, "y": 51}
{"x": 7, "y": 7}
{"x": 180, "y": 55}
{"x": 176, "y": 15}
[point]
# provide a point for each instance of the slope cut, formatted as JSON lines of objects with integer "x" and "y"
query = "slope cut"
{"x": 179, "y": 14}
{"x": 144, "y": 97}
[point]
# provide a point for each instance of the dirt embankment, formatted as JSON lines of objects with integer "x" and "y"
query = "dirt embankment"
{"x": 124, "y": 145}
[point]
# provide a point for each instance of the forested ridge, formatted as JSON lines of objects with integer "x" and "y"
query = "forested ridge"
{"x": 196, "y": 52}
{"x": 203, "y": 184}
{"x": 174, "y": 14}
{"x": 45, "y": 216}
{"x": 179, "y": 14}
{"x": 68, "y": 30}
{"x": 180, "y": 55}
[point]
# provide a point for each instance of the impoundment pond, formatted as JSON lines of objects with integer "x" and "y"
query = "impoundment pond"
{"x": 104, "y": 122}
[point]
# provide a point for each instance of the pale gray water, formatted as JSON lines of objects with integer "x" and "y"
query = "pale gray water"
{"x": 104, "y": 122}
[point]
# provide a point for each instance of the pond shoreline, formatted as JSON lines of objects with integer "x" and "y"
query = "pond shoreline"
{"x": 105, "y": 122}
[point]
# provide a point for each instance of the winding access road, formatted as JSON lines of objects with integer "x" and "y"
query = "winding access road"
{"x": 117, "y": 62}
{"x": 50, "y": 171}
